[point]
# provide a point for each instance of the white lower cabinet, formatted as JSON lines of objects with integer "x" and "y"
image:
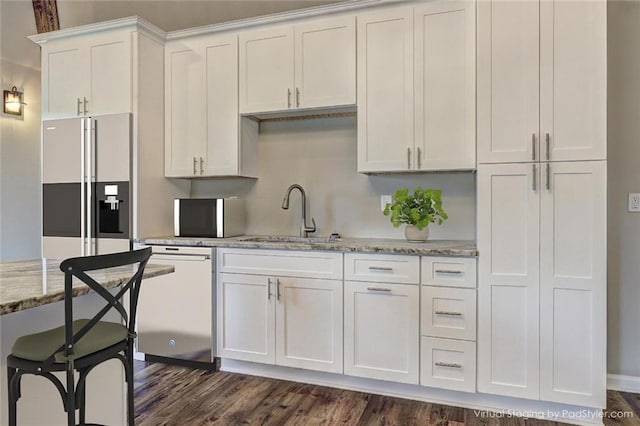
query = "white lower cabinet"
{"x": 381, "y": 331}
{"x": 448, "y": 363}
{"x": 282, "y": 320}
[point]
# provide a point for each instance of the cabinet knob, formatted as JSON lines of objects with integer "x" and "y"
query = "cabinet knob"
{"x": 195, "y": 165}
{"x": 288, "y": 98}
{"x": 409, "y": 158}
{"x": 297, "y": 97}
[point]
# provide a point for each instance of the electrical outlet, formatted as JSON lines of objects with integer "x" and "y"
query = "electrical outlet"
{"x": 384, "y": 199}
{"x": 634, "y": 202}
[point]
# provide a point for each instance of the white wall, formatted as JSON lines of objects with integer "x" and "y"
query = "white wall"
{"x": 624, "y": 177}
{"x": 320, "y": 154}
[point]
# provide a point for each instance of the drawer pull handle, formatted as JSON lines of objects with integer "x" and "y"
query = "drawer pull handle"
{"x": 386, "y": 290}
{"x": 448, "y": 271}
{"x": 448, "y": 313}
{"x": 448, "y": 364}
{"x": 380, "y": 268}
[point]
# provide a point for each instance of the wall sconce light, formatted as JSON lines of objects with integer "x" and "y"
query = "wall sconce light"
{"x": 13, "y": 102}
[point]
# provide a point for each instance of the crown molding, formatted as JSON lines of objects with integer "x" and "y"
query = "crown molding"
{"x": 133, "y": 22}
{"x": 279, "y": 17}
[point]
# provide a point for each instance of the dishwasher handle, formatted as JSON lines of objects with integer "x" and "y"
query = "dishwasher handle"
{"x": 180, "y": 256}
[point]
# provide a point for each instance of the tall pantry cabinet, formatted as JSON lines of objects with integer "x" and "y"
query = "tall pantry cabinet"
{"x": 542, "y": 200}
{"x": 116, "y": 67}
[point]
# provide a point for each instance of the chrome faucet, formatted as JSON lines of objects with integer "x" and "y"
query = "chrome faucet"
{"x": 304, "y": 229}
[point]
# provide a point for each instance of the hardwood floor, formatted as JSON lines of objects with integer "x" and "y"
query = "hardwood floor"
{"x": 171, "y": 395}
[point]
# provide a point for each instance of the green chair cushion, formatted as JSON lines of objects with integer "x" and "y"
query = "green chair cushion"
{"x": 40, "y": 346}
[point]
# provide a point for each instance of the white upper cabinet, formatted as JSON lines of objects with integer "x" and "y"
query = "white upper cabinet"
{"x": 573, "y": 79}
{"x": 385, "y": 91}
{"x": 87, "y": 75}
{"x": 309, "y": 65}
{"x": 541, "y": 81}
{"x": 203, "y": 134}
{"x": 445, "y": 86}
{"x": 325, "y": 63}
{"x": 416, "y": 88}
{"x": 266, "y": 69}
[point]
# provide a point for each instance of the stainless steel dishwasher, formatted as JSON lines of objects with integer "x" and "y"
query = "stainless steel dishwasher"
{"x": 176, "y": 312}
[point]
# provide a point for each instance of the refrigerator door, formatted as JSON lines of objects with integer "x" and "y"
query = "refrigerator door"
{"x": 111, "y": 140}
{"x": 63, "y": 189}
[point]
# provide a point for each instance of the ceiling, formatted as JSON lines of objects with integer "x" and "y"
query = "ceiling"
{"x": 17, "y": 21}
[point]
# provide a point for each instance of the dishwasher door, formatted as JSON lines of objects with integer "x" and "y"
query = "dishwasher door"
{"x": 176, "y": 311}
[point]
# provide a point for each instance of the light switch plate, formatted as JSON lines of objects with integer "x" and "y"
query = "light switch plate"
{"x": 384, "y": 199}
{"x": 634, "y": 203}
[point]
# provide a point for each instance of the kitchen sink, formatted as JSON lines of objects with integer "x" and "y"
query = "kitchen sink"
{"x": 285, "y": 239}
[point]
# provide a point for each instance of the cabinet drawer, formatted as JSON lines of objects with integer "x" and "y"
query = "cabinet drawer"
{"x": 448, "y": 364}
{"x": 449, "y": 312}
{"x": 449, "y": 271}
{"x": 283, "y": 263}
{"x": 382, "y": 268}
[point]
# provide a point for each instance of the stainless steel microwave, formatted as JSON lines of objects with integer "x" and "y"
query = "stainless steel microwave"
{"x": 208, "y": 217}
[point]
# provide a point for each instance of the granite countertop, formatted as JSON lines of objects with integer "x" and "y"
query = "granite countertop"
{"x": 30, "y": 283}
{"x": 361, "y": 245}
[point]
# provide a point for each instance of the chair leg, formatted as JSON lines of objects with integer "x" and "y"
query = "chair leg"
{"x": 71, "y": 396}
{"x": 13, "y": 395}
{"x": 129, "y": 378}
{"x": 82, "y": 397}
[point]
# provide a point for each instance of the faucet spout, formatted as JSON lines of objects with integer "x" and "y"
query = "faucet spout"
{"x": 304, "y": 229}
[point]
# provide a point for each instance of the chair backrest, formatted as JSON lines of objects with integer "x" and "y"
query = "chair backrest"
{"x": 78, "y": 267}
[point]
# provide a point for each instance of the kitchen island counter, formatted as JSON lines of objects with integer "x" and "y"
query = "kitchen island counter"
{"x": 30, "y": 283}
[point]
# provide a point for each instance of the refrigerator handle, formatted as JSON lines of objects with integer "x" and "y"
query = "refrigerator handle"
{"x": 83, "y": 176}
{"x": 88, "y": 182}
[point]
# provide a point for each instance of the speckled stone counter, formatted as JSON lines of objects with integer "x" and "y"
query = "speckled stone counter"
{"x": 26, "y": 284}
{"x": 362, "y": 245}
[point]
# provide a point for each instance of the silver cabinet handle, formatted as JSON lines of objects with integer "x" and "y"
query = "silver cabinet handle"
{"x": 533, "y": 146}
{"x": 419, "y": 154}
{"x": 547, "y": 140}
{"x": 534, "y": 185}
{"x": 448, "y": 271}
{"x": 548, "y": 177}
{"x": 386, "y": 290}
{"x": 195, "y": 164}
{"x": 278, "y": 288}
{"x": 408, "y": 158}
{"x": 79, "y": 103}
{"x": 297, "y": 97}
{"x": 288, "y": 98}
{"x": 448, "y": 364}
{"x": 380, "y": 268}
{"x": 86, "y": 111}
{"x": 201, "y": 163}
{"x": 449, "y": 313}
{"x": 268, "y": 288}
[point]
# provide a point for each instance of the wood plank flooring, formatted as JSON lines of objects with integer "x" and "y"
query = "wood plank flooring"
{"x": 171, "y": 395}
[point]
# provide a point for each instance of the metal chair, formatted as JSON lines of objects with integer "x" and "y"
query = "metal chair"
{"x": 82, "y": 344}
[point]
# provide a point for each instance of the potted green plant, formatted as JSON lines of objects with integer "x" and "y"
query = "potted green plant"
{"x": 416, "y": 210}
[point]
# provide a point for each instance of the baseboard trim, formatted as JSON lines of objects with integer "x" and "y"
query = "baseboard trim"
{"x": 505, "y": 406}
{"x": 622, "y": 383}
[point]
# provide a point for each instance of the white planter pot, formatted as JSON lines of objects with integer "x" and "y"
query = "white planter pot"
{"x": 415, "y": 235}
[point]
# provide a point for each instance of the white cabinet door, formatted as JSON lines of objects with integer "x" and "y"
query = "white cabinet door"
{"x": 508, "y": 81}
{"x": 266, "y": 70}
{"x": 445, "y": 79}
{"x": 508, "y": 291}
{"x": 309, "y": 324}
{"x": 573, "y": 284}
{"x": 110, "y": 74}
{"x": 246, "y": 318}
{"x": 385, "y": 91}
{"x": 325, "y": 63}
{"x": 185, "y": 109}
{"x": 381, "y": 331}
{"x": 573, "y": 79}
{"x": 221, "y": 155}
{"x": 64, "y": 79}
